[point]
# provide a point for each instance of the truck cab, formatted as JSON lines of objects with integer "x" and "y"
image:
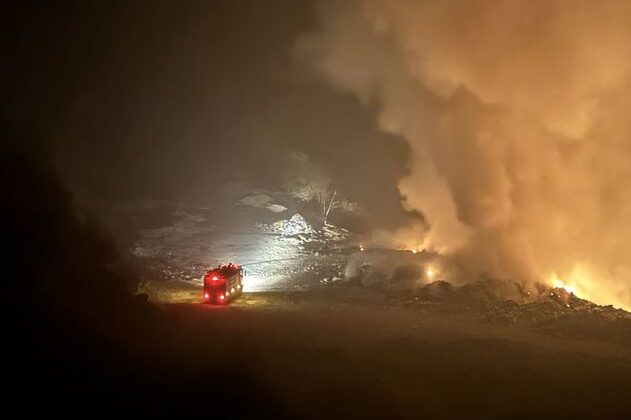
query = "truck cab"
{"x": 222, "y": 284}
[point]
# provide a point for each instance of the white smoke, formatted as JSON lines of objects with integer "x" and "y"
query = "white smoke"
{"x": 516, "y": 114}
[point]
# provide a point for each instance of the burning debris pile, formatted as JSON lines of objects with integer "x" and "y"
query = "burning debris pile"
{"x": 553, "y": 308}
{"x": 419, "y": 280}
{"x": 543, "y": 308}
{"x": 392, "y": 269}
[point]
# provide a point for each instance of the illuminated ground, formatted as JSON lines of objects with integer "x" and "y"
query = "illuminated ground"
{"x": 348, "y": 352}
{"x": 279, "y": 251}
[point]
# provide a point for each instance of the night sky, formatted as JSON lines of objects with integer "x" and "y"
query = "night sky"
{"x": 171, "y": 100}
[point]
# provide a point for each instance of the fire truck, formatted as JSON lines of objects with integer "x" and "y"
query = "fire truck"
{"x": 223, "y": 284}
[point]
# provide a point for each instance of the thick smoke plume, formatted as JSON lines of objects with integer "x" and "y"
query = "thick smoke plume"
{"x": 517, "y": 117}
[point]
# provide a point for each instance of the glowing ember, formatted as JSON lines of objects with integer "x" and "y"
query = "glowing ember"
{"x": 568, "y": 288}
{"x": 558, "y": 283}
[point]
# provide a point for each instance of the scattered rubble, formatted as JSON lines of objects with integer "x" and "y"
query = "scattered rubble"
{"x": 167, "y": 268}
{"x": 261, "y": 201}
{"x": 552, "y": 306}
{"x": 334, "y": 233}
{"x": 296, "y": 225}
{"x": 551, "y": 310}
{"x": 255, "y": 200}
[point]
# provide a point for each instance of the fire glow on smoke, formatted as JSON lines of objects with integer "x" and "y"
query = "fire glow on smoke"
{"x": 580, "y": 282}
{"x": 516, "y": 114}
{"x": 556, "y": 282}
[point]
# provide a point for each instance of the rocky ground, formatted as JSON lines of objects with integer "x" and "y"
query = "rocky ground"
{"x": 282, "y": 252}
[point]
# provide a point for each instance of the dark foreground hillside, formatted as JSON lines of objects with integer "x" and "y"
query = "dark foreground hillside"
{"x": 314, "y": 354}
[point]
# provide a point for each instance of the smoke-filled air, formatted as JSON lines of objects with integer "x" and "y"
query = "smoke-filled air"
{"x": 517, "y": 117}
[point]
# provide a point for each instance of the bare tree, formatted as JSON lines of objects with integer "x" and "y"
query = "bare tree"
{"x": 306, "y": 181}
{"x": 326, "y": 200}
